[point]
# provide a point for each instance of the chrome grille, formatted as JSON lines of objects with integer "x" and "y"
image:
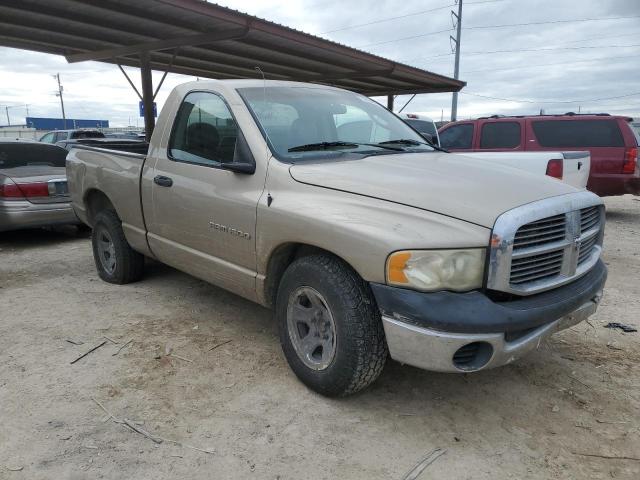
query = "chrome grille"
{"x": 546, "y": 243}
{"x": 589, "y": 218}
{"x": 586, "y": 249}
{"x": 543, "y": 231}
{"x": 544, "y": 265}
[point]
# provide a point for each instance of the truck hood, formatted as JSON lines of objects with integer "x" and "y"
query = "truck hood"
{"x": 469, "y": 189}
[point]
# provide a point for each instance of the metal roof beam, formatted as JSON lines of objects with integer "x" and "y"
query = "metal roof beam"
{"x": 346, "y": 75}
{"x": 189, "y": 40}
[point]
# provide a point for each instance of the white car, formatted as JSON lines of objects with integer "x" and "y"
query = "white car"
{"x": 423, "y": 124}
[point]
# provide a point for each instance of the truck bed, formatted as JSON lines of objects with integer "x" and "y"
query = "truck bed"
{"x": 575, "y": 171}
{"x": 114, "y": 175}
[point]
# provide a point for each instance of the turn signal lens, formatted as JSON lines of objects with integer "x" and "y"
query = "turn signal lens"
{"x": 431, "y": 270}
{"x": 630, "y": 160}
{"x": 395, "y": 267}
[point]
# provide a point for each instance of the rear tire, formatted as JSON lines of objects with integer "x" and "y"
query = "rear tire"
{"x": 115, "y": 260}
{"x": 330, "y": 327}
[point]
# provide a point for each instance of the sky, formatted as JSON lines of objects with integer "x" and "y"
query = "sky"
{"x": 514, "y": 60}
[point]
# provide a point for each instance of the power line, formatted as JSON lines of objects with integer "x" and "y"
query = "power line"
{"x": 404, "y": 38}
{"x": 388, "y": 19}
{"x": 592, "y": 39}
{"x": 414, "y": 14}
{"x": 518, "y": 50}
{"x": 484, "y": 1}
{"x": 494, "y": 26}
{"x": 552, "y": 21}
{"x": 589, "y": 100}
{"x": 520, "y": 67}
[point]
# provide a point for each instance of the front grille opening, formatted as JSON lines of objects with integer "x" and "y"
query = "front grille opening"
{"x": 473, "y": 356}
{"x": 586, "y": 249}
{"x": 589, "y": 218}
{"x": 541, "y": 232}
{"x": 536, "y": 267}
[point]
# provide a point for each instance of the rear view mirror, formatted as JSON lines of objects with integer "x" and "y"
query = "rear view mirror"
{"x": 337, "y": 109}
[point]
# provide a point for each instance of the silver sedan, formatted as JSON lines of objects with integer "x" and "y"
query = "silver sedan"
{"x": 33, "y": 186}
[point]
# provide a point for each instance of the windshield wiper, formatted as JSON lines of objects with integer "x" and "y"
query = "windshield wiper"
{"x": 403, "y": 141}
{"x": 408, "y": 141}
{"x": 309, "y": 147}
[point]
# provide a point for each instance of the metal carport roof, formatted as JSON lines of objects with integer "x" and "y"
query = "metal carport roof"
{"x": 197, "y": 38}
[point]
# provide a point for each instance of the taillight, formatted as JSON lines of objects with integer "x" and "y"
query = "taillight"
{"x": 12, "y": 191}
{"x": 630, "y": 160}
{"x": 554, "y": 168}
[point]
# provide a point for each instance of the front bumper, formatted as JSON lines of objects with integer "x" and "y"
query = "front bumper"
{"x": 18, "y": 214}
{"x": 463, "y": 332}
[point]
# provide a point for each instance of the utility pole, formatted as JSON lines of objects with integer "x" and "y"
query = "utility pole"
{"x": 59, "y": 94}
{"x": 456, "y": 70}
{"x": 6, "y": 109}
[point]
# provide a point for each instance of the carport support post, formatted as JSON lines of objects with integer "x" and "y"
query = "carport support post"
{"x": 390, "y": 102}
{"x": 147, "y": 94}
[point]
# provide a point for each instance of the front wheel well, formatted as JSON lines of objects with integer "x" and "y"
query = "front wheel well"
{"x": 280, "y": 259}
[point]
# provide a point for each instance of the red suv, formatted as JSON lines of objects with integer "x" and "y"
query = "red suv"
{"x": 610, "y": 139}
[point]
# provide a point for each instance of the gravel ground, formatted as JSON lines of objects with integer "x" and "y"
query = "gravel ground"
{"x": 568, "y": 411}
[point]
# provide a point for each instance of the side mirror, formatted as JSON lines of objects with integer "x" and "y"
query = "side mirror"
{"x": 243, "y": 161}
{"x": 246, "y": 168}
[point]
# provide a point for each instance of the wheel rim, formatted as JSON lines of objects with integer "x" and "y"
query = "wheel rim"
{"x": 106, "y": 251}
{"x": 312, "y": 330}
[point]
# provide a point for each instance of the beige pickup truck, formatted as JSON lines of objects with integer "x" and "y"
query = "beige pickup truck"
{"x": 365, "y": 240}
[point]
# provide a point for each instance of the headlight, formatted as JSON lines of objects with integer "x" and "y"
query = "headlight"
{"x": 430, "y": 270}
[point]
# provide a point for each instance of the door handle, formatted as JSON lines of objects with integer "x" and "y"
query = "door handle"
{"x": 163, "y": 181}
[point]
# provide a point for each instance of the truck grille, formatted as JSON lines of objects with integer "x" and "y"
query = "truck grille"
{"x": 543, "y": 231}
{"x": 532, "y": 252}
{"x": 586, "y": 249}
{"x": 536, "y": 267}
{"x": 589, "y": 218}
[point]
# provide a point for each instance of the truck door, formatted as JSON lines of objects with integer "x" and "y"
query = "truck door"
{"x": 201, "y": 217}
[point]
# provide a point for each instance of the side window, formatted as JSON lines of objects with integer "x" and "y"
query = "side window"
{"x": 204, "y": 131}
{"x": 60, "y": 136}
{"x": 500, "y": 135}
{"x": 458, "y": 136}
{"x": 578, "y": 133}
{"x": 48, "y": 138}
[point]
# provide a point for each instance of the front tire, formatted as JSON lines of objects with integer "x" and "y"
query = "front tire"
{"x": 330, "y": 327}
{"x": 115, "y": 260}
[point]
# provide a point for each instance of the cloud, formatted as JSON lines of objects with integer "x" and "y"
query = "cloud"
{"x": 524, "y": 68}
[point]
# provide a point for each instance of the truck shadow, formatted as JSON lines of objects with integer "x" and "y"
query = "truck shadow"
{"x": 41, "y": 237}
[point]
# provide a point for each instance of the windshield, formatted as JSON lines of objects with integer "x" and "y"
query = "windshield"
{"x": 313, "y": 122}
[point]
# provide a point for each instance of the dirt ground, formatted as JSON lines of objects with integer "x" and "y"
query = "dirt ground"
{"x": 555, "y": 414}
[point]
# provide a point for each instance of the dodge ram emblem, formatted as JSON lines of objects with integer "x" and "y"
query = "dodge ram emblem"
{"x": 577, "y": 243}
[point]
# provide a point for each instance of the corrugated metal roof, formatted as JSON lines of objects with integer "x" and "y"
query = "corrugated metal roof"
{"x": 197, "y": 38}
